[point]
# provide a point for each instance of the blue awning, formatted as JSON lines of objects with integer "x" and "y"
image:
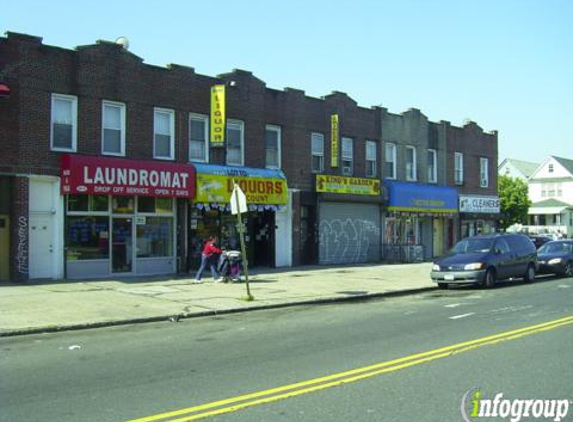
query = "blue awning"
{"x": 416, "y": 197}
{"x": 233, "y": 171}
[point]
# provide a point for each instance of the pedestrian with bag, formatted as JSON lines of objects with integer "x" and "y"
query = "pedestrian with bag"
{"x": 209, "y": 255}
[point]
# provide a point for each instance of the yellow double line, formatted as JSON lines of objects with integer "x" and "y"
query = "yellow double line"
{"x": 292, "y": 390}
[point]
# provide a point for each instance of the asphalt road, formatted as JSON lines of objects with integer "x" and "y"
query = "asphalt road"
{"x": 362, "y": 361}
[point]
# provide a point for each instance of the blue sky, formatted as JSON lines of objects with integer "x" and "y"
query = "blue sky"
{"x": 505, "y": 64}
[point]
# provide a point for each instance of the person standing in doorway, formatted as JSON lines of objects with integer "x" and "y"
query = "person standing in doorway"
{"x": 209, "y": 255}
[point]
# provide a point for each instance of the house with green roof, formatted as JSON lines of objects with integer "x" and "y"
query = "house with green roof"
{"x": 551, "y": 194}
{"x": 517, "y": 168}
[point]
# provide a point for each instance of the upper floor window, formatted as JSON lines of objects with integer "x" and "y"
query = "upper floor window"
{"x": 371, "y": 159}
{"x": 317, "y": 152}
{"x": 164, "y": 134}
{"x": 64, "y": 123}
{"x": 347, "y": 156}
{"x": 198, "y": 138}
{"x": 113, "y": 128}
{"x": 458, "y": 168}
{"x": 411, "y": 173}
{"x": 273, "y": 146}
{"x": 390, "y": 161}
{"x": 483, "y": 172}
{"x": 432, "y": 166}
{"x": 550, "y": 168}
{"x": 235, "y": 142}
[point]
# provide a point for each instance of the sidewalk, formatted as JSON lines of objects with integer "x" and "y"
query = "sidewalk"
{"x": 38, "y": 307}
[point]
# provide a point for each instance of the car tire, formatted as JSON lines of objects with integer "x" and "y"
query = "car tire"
{"x": 490, "y": 278}
{"x": 568, "y": 269}
{"x": 443, "y": 286}
{"x": 529, "y": 276}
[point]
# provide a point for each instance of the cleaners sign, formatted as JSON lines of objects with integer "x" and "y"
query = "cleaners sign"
{"x": 120, "y": 177}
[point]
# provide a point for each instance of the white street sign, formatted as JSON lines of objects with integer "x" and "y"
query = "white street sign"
{"x": 242, "y": 201}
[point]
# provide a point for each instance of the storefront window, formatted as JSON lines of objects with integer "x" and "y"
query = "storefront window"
{"x": 155, "y": 237}
{"x": 123, "y": 205}
{"x": 155, "y": 205}
{"x": 85, "y": 203}
{"x": 87, "y": 237}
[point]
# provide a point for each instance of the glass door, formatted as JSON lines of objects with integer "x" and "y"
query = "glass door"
{"x": 122, "y": 245}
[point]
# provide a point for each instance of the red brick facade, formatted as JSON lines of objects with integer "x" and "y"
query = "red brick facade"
{"x": 106, "y": 71}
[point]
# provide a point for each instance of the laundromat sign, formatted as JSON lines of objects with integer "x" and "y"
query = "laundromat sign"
{"x": 349, "y": 185}
{"x": 121, "y": 177}
{"x": 261, "y": 186}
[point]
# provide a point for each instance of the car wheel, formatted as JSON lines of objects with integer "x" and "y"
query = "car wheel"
{"x": 443, "y": 285}
{"x": 529, "y": 274}
{"x": 490, "y": 278}
{"x": 568, "y": 269}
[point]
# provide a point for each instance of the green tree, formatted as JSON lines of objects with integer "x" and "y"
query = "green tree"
{"x": 514, "y": 201}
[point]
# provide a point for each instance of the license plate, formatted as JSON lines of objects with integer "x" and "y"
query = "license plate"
{"x": 449, "y": 277}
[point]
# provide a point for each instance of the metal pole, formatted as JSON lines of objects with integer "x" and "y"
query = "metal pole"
{"x": 243, "y": 246}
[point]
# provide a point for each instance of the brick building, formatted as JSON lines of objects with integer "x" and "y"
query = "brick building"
{"x": 152, "y": 186}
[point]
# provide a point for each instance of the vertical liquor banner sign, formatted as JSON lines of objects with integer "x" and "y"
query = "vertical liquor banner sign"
{"x": 334, "y": 136}
{"x": 218, "y": 115}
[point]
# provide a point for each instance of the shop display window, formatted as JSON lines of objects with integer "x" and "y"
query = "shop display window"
{"x": 123, "y": 204}
{"x": 155, "y": 237}
{"x": 87, "y": 238}
{"x": 85, "y": 203}
{"x": 155, "y": 205}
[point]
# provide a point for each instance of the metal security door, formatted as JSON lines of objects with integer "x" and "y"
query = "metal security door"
{"x": 41, "y": 246}
{"x": 349, "y": 233}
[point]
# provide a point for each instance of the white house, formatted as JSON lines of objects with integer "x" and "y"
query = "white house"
{"x": 517, "y": 168}
{"x": 551, "y": 194}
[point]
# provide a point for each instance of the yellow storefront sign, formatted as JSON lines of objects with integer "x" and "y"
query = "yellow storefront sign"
{"x": 348, "y": 185}
{"x": 212, "y": 188}
{"x": 218, "y": 115}
{"x": 334, "y": 136}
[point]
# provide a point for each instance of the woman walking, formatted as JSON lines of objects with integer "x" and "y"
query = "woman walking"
{"x": 209, "y": 255}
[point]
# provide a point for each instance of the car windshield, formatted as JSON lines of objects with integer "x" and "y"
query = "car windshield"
{"x": 556, "y": 247}
{"x": 473, "y": 245}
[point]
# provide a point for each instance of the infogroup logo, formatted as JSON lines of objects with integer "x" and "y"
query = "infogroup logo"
{"x": 474, "y": 407}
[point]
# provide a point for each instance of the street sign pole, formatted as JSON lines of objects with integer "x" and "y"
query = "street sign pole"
{"x": 240, "y": 208}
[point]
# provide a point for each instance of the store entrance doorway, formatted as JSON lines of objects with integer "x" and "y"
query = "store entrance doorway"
{"x": 122, "y": 245}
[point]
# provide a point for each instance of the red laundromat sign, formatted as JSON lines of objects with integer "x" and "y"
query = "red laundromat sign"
{"x": 92, "y": 175}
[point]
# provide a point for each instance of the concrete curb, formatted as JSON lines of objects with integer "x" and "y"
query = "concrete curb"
{"x": 213, "y": 312}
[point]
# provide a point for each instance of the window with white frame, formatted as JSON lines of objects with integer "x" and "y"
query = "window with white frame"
{"x": 198, "y": 138}
{"x": 235, "y": 141}
{"x": 273, "y": 146}
{"x": 347, "y": 156}
{"x": 64, "y": 123}
{"x": 411, "y": 168}
{"x": 317, "y": 152}
{"x": 458, "y": 168}
{"x": 164, "y": 134}
{"x": 371, "y": 159}
{"x": 390, "y": 161}
{"x": 484, "y": 172}
{"x": 432, "y": 166}
{"x": 113, "y": 128}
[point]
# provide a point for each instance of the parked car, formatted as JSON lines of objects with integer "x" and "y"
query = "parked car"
{"x": 556, "y": 257}
{"x": 539, "y": 241}
{"x": 484, "y": 259}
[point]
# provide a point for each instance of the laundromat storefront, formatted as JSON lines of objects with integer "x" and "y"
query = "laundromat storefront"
{"x": 266, "y": 192}
{"x": 421, "y": 219}
{"x": 121, "y": 215}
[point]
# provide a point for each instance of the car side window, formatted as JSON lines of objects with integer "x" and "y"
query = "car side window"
{"x": 501, "y": 246}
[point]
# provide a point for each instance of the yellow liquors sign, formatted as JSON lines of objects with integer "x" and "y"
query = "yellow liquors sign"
{"x": 218, "y": 115}
{"x": 348, "y": 185}
{"x": 261, "y": 186}
{"x": 334, "y": 136}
